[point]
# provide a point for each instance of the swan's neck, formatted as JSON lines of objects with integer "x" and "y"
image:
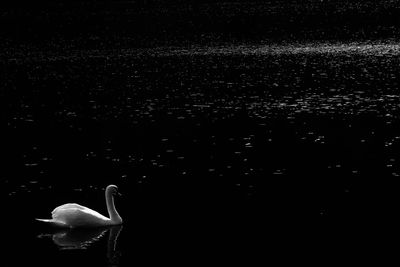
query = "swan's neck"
{"x": 112, "y": 212}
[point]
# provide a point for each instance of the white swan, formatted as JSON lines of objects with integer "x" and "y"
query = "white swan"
{"x": 73, "y": 215}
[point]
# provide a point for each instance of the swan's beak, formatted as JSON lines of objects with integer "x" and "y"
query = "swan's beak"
{"x": 119, "y": 194}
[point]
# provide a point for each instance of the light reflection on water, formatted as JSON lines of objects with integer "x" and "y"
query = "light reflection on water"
{"x": 84, "y": 238}
{"x": 301, "y": 130}
{"x": 374, "y": 49}
{"x": 216, "y": 84}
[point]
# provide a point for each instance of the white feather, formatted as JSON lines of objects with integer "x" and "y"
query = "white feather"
{"x": 73, "y": 215}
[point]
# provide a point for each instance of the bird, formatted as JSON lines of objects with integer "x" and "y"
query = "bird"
{"x": 73, "y": 215}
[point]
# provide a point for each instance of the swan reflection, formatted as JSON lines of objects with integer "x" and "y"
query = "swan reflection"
{"x": 84, "y": 238}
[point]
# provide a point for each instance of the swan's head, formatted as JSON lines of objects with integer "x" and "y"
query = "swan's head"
{"x": 112, "y": 189}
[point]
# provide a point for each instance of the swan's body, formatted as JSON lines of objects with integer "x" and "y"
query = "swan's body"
{"x": 74, "y": 215}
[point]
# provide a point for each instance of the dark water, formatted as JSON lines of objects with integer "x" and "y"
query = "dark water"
{"x": 221, "y": 153}
{"x": 100, "y": 24}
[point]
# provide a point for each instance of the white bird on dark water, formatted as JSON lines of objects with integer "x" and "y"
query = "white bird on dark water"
{"x": 73, "y": 215}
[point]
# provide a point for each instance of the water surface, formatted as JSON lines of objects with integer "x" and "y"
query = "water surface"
{"x": 213, "y": 148}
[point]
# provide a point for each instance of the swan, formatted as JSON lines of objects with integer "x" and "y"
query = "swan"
{"x": 73, "y": 215}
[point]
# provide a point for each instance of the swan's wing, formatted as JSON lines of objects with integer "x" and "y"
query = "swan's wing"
{"x": 68, "y": 206}
{"x": 79, "y": 216}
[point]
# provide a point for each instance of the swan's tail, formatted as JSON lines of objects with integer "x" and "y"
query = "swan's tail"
{"x": 54, "y": 222}
{"x": 45, "y": 220}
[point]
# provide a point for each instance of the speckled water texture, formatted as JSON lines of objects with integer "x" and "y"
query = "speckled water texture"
{"x": 225, "y": 143}
{"x": 252, "y": 130}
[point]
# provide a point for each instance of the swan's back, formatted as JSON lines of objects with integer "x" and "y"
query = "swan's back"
{"x": 68, "y": 206}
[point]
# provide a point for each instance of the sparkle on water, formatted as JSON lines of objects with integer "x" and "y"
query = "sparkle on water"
{"x": 298, "y": 130}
